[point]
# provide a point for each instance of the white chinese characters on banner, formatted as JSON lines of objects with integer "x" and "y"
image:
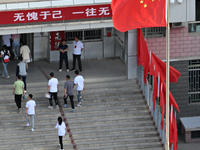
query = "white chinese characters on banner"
{"x": 34, "y": 15}
{"x": 45, "y": 14}
{"x": 19, "y": 16}
{"x": 94, "y": 12}
{"x": 57, "y": 14}
{"x": 90, "y": 12}
{"x": 104, "y": 11}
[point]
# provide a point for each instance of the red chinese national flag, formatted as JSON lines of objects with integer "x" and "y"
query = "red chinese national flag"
{"x": 161, "y": 67}
{"x": 132, "y": 14}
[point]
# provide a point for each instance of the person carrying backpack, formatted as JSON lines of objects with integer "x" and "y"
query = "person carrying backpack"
{"x": 5, "y": 55}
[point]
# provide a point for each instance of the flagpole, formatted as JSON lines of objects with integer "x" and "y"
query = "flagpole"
{"x": 167, "y": 78}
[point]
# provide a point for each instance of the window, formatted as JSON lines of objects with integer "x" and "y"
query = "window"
{"x": 71, "y": 34}
{"x": 194, "y": 81}
{"x": 154, "y": 32}
{"x": 84, "y": 34}
{"x": 195, "y": 134}
{"x": 195, "y": 25}
{"x": 92, "y": 34}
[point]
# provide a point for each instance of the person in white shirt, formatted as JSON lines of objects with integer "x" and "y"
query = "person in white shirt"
{"x": 62, "y": 131}
{"x": 78, "y": 48}
{"x": 5, "y": 55}
{"x": 52, "y": 89}
{"x": 30, "y": 111}
{"x": 79, "y": 82}
{"x": 25, "y": 53}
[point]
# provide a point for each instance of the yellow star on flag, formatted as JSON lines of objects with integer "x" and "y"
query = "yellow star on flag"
{"x": 145, "y": 5}
{"x": 141, "y": 1}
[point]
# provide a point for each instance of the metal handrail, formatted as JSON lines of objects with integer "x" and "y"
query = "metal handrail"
{"x": 155, "y": 113}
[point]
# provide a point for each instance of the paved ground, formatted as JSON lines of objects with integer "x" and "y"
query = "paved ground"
{"x": 92, "y": 70}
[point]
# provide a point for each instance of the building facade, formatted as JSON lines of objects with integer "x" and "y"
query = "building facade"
{"x": 92, "y": 20}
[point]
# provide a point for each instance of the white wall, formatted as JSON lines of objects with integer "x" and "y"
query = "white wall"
{"x": 40, "y": 46}
{"x": 182, "y": 12}
{"x": 92, "y": 49}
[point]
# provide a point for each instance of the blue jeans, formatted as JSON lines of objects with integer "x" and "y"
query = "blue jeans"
{"x": 5, "y": 69}
{"x": 24, "y": 80}
{"x": 79, "y": 96}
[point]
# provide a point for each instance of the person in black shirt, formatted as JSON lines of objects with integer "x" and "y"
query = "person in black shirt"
{"x": 63, "y": 55}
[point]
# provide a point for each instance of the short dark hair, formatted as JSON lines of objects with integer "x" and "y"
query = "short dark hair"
{"x": 52, "y": 74}
{"x": 77, "y": 72}
{"x": 20, "y": 58}
{"x": 67, "y": 76}
{"x": 5, "y": 47}
{"x": 63, "y": 40}
{"x": 19, "y": 77}
{"x": 76, "y": 36}
{"x": 30, "y": 95}
{"x": 21, "y": 42}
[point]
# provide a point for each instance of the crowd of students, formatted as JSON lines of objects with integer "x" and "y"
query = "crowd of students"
{"x": 52, "y": 90}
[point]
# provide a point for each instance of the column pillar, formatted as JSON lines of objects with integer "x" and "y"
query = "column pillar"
{"x": 130, "y": 41}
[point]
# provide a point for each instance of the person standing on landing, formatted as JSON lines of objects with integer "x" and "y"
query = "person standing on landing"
{"x": 30, "y": 111}
{"x": 63, "y": 55}
{"x": 52, "y": 89}
{"x": 21, "y": 70}
{"x": 62, "y": 130}
{"x": 25, "y": 53}
{"x": 68, "y": 86}
{"x": 16, "y": 44}
{"x": 18, "y": 90}
{"x": 5, "y": 54}
{"x": 78, "y": 48}
{"x": 79, "y": 82}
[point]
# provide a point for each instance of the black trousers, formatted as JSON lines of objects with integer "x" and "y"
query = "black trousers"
{"x": 18, "y": 99}
{"x": 61, "y": 61}
{"x": 71, "y": 97}
{"x": 78, "y": 57}
{"x": 24, "y": 80}
{"x": 53, "y": 95}
{"x": 60, "y": 141}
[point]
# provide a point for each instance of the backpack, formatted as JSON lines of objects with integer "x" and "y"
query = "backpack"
{"x": 6, "y": 57}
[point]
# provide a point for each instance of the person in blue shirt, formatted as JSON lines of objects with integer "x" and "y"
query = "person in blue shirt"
{"x": 63, "y": 55}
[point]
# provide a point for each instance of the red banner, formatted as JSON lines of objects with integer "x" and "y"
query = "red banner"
{"x": 55, "y": 14}
{"x": 56, "y": 39}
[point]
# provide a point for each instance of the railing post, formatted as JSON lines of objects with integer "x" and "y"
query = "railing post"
{"x": 156, "y": 113}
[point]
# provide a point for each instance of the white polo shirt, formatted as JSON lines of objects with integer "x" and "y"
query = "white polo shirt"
{"x": 61, "y": 129}
{"x": 31, "y": 107}
{"x": 77, "y": 47}
{"x": 53, "y": 82}
{"x": 79, "y": 80}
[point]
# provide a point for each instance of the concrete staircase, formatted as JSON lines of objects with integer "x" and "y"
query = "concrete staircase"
{"x": 114, "y": 116}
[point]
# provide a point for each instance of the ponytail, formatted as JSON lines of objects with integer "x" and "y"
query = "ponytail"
{"x": 59, "y": 120}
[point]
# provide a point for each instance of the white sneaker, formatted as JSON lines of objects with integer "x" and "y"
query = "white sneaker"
{"x": 56, "y": 106}
{"x": 50, "y": 106}
{"x": 60, "y": 70}
{"x": 67, "y": 70}
{"x": 32, "y": 129}
{"x": 25, "y": 91}
{"x": 81, "y": 98}
{"x": 27, "y": 125}
{"x": 79, "y": 105}
{"x": 8, "y": 77}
